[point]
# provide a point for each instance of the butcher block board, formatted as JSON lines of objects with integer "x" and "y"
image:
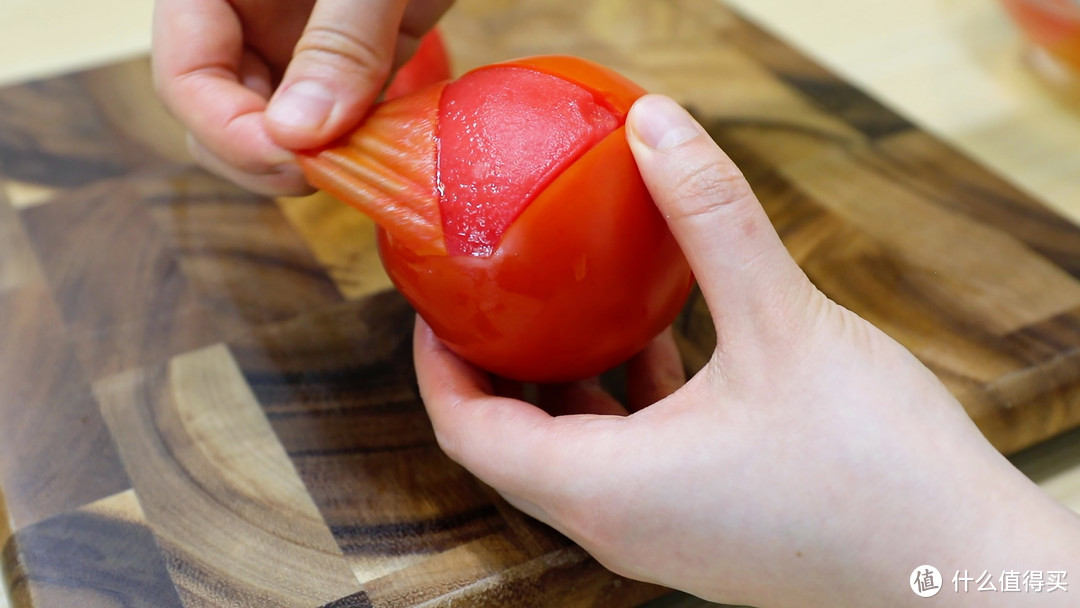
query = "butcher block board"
{"x": 207, "y": 397}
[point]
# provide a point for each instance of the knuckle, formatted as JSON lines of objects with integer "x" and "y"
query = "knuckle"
{"x": 345, "y": 50}
{"x": 449, "y": 444}
{"x": 221, "y": 159}
{"x": 200, "y": 153}
{"x": 709, "y": 187}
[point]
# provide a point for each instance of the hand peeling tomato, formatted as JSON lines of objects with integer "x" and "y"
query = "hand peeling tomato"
{"x": 513, "y": 218}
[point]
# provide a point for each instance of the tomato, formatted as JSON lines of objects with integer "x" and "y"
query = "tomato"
{"x": 428, "y": 65}
{"x": 1052, "y": 24}
{"x": 554, "y": 264}
{"x": 572, "y": 289}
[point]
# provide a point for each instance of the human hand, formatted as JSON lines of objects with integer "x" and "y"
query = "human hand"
{"x": 812, "y": 462}
{"x": 253, "y": 79}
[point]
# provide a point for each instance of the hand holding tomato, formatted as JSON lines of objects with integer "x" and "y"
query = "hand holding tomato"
{"x": 812, "y": 462}
{"x": 252, "y": 80}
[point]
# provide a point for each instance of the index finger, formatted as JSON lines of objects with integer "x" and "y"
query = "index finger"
{"x": 511, "y": 445}
{"x": 198, "y": 71}
{"x": 494, "y": 437}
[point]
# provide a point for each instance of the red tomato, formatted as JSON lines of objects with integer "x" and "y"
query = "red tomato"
{"x": 554, "y": 262}
{"x": 428, "y": 65}
{"x": 1052, "y": 24}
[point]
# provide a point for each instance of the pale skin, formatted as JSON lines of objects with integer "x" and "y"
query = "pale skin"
{"x": 812, "y": 462}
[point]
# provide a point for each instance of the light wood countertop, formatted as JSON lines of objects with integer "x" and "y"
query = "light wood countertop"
{"x": 954, "y": 67}
{"x": 45, "y": 37}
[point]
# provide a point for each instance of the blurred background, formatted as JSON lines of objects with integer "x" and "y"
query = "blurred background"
{"x": 955, "y": 67}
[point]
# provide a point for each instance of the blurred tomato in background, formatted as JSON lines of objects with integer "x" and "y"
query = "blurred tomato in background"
{"x": 1052, "y": 25}
{"x": 430, "y": 64}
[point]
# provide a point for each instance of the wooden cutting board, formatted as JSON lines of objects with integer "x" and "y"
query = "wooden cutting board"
{"x": 206, "y": 397}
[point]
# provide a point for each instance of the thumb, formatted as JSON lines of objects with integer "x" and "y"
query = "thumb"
{"x": 337, "y": 70}
{"x": 740, "y": 263}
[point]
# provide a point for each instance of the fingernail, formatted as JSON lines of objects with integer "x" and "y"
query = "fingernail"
{"x": 663, "y": 124}
{"x": 303, "y": 105}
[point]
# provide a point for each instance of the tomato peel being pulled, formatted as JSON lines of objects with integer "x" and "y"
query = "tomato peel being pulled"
{"x": 531, "y": 246}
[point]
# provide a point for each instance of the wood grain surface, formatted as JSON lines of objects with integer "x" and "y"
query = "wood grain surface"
{"x": 961, "y": 69}
{"x": 206, "y": 397}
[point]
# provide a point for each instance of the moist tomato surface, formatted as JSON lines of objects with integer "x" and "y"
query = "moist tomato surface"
{"x": 504, "y": 135}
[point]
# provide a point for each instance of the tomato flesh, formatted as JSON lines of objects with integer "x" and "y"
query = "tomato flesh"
{"x": 504, "y": 135}
{"x": 580, "y": 282}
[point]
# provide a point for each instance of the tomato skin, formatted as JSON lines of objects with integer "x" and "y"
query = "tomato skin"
{"x": 387, "y": 168}
{"x": 428, "y": 65}
{"x": 584, "y": 279}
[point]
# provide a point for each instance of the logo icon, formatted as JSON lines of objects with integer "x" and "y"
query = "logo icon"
{"x": 925, "y": 581}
